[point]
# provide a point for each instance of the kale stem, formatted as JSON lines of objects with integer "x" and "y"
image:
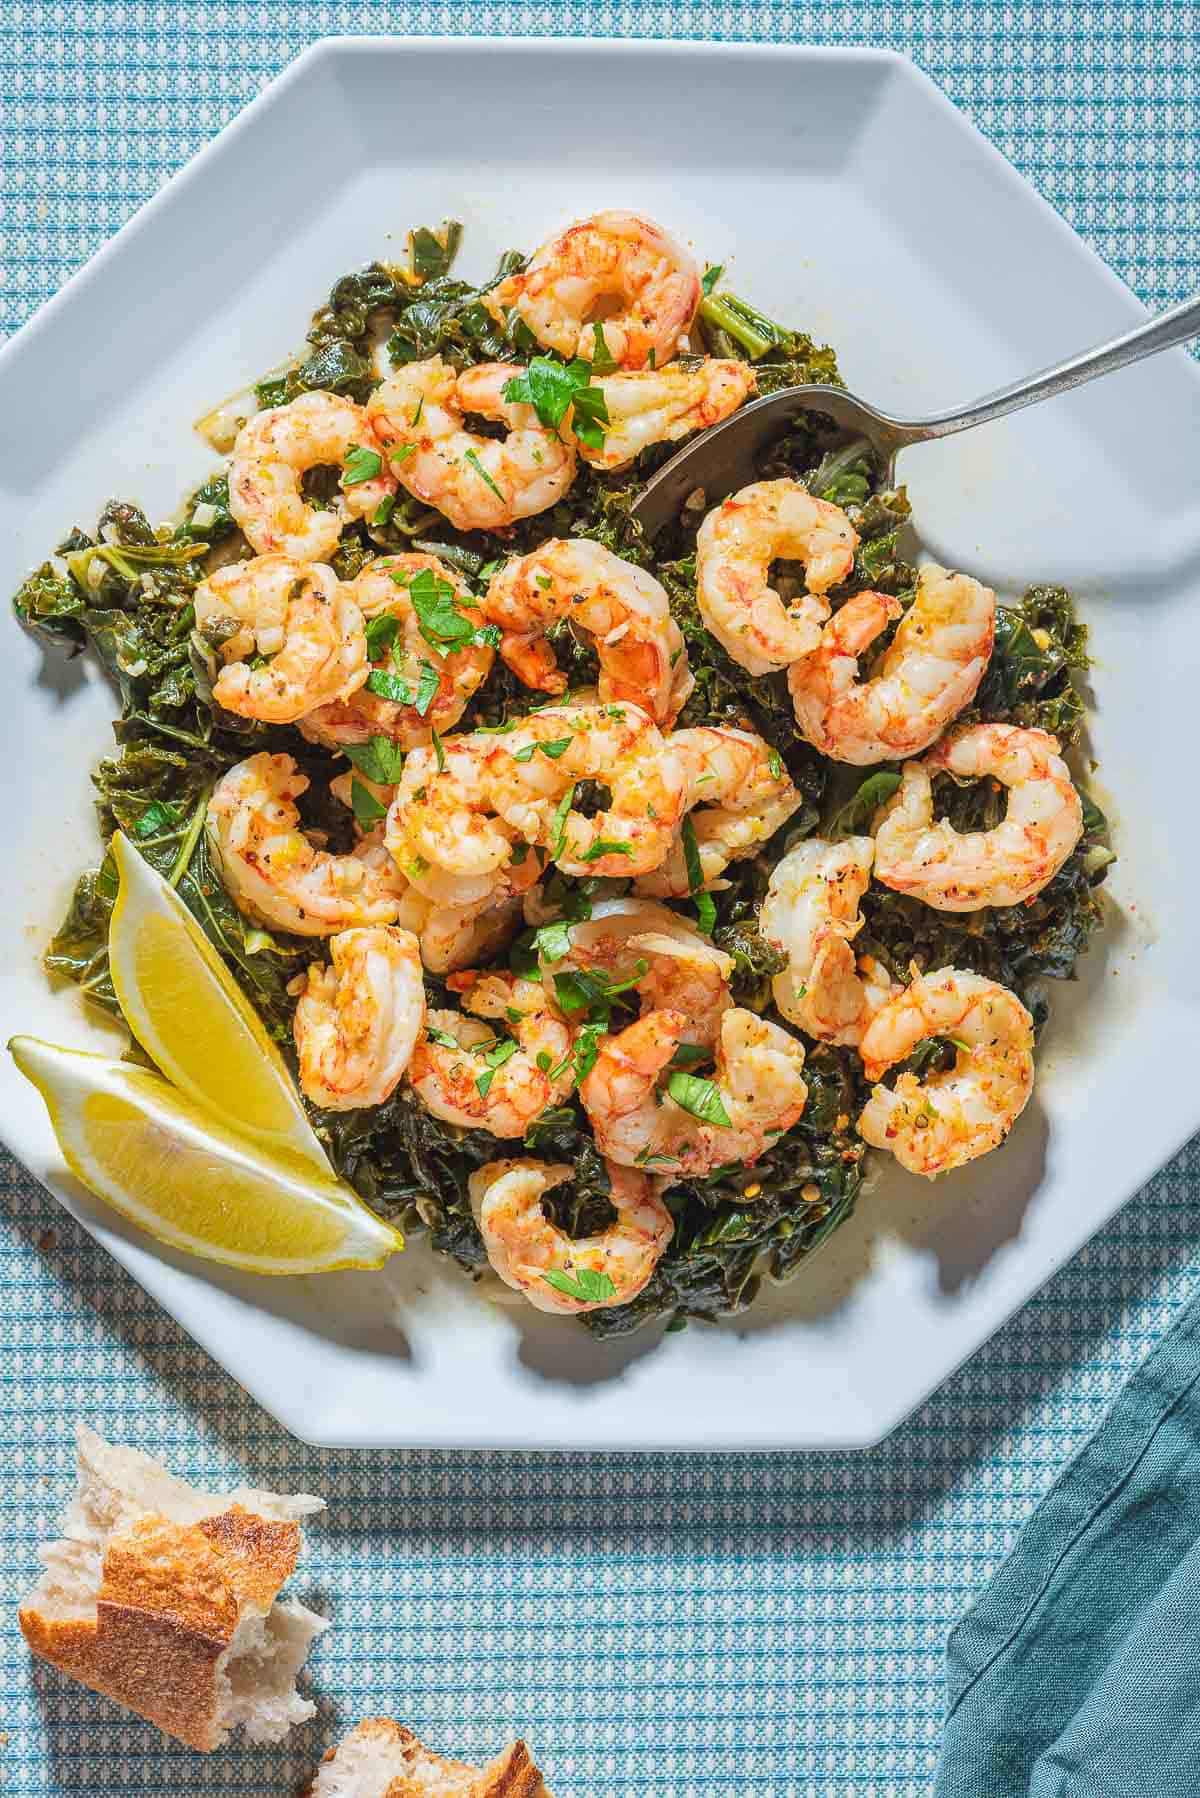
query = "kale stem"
{"x": 717, "y": 310}
{"x": 754, "y": 331}
{"x": 188, "y": 846}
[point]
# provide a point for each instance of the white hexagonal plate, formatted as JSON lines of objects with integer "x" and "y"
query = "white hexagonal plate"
{"x": 851, "y": 197}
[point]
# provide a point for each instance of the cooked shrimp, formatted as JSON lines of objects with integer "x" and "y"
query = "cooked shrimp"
{"x": 1004, "y": 866}
{"x": 735, "y": 547}
{"x": 275, "y": 448}
{"x": 534, "y": 768}
{"x": 670, "y": 964}
{"x": 463, "y": 1072}
{"x": 301, "y": 618}
{"x": 459, "y": 936}
{"x": 384, "y": 589}
{"x": 622, "y": 608}
{"x": 271, "y": 870}
{"x": 948, "y": 1118}
{"x": 523, "y": 1245}
{"x": 614, "y": 282}
{"x": 757, "y": 1088}
{"x": 478, "y": 483}
{"x": 664, "y": 405}
{"x": 443, "y": 833}
{"x": 357, "y": 1021}
{"x": 929, "y": 672}
{"x": 743, "y": 792}
{"x": 811, "y": 914}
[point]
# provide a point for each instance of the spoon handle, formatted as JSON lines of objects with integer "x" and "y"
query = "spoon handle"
{"x": 1176, "y": 325}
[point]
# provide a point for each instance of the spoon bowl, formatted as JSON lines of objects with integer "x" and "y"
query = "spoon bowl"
{"x": 726, "y": 457}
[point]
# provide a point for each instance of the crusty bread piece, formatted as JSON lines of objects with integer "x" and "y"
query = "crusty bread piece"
{"x": 382, "y": 1759}
{"x": 164, "y": 1598}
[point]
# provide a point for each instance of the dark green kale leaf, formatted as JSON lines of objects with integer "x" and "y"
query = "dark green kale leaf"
{"x": 1040, "y": 644}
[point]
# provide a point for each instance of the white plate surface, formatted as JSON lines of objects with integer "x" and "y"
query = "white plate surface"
{"x": 851, "y": 198}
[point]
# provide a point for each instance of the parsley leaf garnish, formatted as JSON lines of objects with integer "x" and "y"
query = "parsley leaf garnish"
{"x": 383, "y": 511}
{"x": 706, "y": 911}
{"x": 775, "y": 764}
{"x": 603, "y": 360}
{"x": 605, "y": 846}
{"x": 440, "y": 753}
{"x": 495, "y": 1057}
{"x": 427, "y": 688}
{"x": 484, "y": 476}
{"x": 701, "y": 1097}
{"x": 360, "y": 465}
{"x": 553, "y": 941}
{"x": 441, "y": 622}
{"x": 710, "y": 277}
{"x": 389, "y": 686}
{"x": 690, "y": 1055}
{"x": 558, "y": 824}
{"x": 441, "y": 1036}
{"x": 381, "y": 633}
{"x": 368, "y": 812}
{"x": 552, "y": 388}
{"x": 585, "y": 1284}
{"x": 379, "y": 759}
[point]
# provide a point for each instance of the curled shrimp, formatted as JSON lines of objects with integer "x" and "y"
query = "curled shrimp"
{"x": 442, "y": 829}
{"x": 275, "y": 874}
{"x": 929, "y": 672}
{"x": 453, "y": 937}
{"x": 478, "y": 483}
{"x": 406, "y": 660}
{"x": 275, "y": 448}
{"x": 738, "y": 795}
{"x": 811, "y": 913}
{"x": 664, "y": 405}
{"x": 623, "y": 609}
{"x": 735, "y": 547}
{"x": 665, "y": 958}
{"x": 1003, "y": 866}
{"x": 297, "y": 615}
{"x": 757, "y": 1091}
{"x": 533, "y": 771}
{"x": 463, "y": 1072}
{"x": 357, "y": 1020}
{"x": 939, "y": 1122}
{"x": 523, "y": 1245}
{"x": 613, "y": 283}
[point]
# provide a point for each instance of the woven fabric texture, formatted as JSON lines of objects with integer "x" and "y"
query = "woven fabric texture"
{"x": 661, "y": 1625}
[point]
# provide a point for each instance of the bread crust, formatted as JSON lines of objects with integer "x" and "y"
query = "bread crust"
{"x": 169, "y": 1604}
{"x": 511, "y": 1775}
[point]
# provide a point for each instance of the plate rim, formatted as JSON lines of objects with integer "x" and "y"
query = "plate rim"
{"x": 329, "y": 49}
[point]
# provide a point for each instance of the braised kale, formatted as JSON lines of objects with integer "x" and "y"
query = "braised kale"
{"x": 127, "y": 592}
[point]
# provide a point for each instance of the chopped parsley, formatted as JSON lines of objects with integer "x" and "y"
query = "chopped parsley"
{"x": 368, "y": 811}
{"x": 552, "y": 388}
{"x": 701, "y": 1097}
{"x": 585, "y": 1284}
{"x": 379, "y": 759}
{"x": 706, "y": 910}
{"x": 484, "y": 476}
{"x": 360, "y": 465}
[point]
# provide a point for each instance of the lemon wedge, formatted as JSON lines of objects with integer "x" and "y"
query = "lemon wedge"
{"x": 194, "y": 1021}
{"x": 167, "y": 1166}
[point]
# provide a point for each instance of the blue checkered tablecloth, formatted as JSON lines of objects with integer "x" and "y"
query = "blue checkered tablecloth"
{"x": 659, "y": 1625}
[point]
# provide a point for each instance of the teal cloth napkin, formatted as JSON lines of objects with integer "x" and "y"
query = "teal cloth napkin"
{"x": 1077, "y": 1675}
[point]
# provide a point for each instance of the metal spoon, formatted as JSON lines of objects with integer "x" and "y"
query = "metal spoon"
{"x": 724, "y": 457}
